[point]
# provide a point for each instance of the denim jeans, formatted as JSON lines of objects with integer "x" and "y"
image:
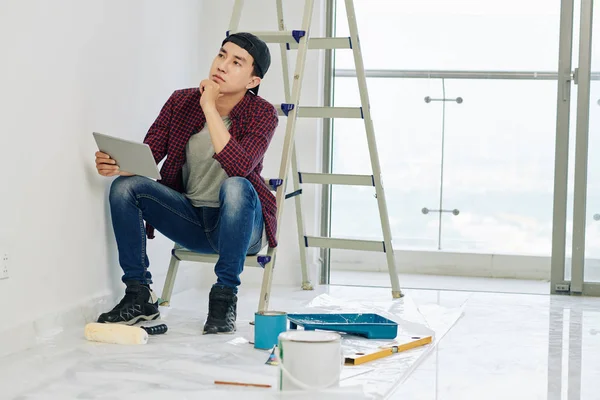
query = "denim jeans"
{"x": 232, "y": 230}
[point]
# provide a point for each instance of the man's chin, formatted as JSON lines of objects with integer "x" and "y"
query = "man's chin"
{"x": 231, "y": 92}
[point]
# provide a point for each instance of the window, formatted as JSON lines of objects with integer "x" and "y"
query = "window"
{"x": 497, "y": 167}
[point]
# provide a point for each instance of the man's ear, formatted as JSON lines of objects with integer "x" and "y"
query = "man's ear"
{"x": 254, "y": 82}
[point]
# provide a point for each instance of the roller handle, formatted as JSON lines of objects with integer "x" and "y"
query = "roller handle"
{"x": 155, "y": 330}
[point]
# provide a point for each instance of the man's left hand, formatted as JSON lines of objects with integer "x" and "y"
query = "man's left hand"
{"x": 210, "y": 91}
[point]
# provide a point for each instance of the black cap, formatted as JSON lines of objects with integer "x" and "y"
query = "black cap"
{"x": 257, "y": 48}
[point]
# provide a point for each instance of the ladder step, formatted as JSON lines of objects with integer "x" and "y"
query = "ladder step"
{"x": 187, "y": 255}
{"x": 346, "y": 244}
{"x": 277, "y": 36}
{"x": 321, "y": 112}
{"x": 325, "y": 43}
{"x": 336, "y": 179}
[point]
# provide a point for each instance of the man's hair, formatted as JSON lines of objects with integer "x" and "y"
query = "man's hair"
{"x": 255, "y": 70}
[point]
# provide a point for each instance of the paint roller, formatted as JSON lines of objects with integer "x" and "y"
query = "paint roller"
{"x": 121, "y": 334}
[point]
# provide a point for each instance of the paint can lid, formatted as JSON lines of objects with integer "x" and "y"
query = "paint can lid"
{"x": 309, "y": 336}
{"x": 270, "y": 313}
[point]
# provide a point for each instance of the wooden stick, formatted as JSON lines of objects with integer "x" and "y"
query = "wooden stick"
{"x": 361, "y": 358}
{"x": 242, "y": 384}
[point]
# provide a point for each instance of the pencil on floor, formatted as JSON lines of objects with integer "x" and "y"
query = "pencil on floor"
{"x": 242, "y": 384}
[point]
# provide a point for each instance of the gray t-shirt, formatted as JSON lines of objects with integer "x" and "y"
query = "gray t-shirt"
{"x": 202, "y": 174}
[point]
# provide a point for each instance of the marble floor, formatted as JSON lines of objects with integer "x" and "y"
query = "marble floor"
{"x": 491, "y": 345}
{"x": 513, "y": 341}
{"x": 511, "y": 346}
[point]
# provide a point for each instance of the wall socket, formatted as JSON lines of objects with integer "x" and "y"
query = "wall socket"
{"x": 4, "y": 266}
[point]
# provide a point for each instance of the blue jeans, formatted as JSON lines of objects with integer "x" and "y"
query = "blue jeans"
{"x": 232, "y": 230}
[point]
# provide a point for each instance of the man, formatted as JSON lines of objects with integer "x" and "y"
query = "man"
{"x": 211, "y": 198}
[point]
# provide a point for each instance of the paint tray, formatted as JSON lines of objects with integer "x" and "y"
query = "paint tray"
{"x": 371, "y": 326}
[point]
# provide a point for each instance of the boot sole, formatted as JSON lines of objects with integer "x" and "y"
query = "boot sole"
{"x": 220, "y": 333}
{"x": 139, "y": 318}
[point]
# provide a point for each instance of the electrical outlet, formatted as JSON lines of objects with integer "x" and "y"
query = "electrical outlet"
{"x": 562, "y": 287}
{"x": 4, "y": 266}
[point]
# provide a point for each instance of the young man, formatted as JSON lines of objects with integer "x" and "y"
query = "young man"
{"x": 211, "y": 198}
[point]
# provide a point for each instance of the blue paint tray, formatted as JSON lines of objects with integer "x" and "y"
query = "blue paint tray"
{"x": 371, "y": 326}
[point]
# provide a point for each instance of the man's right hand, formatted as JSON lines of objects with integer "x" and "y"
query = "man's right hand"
{"x": 106, "y": 166}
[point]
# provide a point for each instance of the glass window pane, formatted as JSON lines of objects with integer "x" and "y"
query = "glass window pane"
{"x": 454, "y": 34}
{"x": 407, "y": 131}
{"x": 592, "y": 232}
{"x": 499, "y": 166}
{"x": 592, "y": 220}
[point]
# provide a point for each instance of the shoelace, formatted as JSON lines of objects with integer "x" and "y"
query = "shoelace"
{"x": 131, "y": 295}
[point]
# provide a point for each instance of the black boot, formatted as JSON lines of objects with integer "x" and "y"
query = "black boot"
{"x": 222, "y": 311}
{"x": 139, "y": 304}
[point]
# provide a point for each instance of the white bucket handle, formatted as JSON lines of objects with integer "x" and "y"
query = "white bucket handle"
{"x": 299, "y": 383}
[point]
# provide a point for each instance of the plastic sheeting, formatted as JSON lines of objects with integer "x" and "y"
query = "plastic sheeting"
{"x": 183, "y": 364}
{"x": 385, "y": 374}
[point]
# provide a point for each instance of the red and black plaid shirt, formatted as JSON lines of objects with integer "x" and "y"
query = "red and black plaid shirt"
{"x": 253, "y": 123}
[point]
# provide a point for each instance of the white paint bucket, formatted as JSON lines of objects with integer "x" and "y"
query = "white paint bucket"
{"x": 309, "y": 360}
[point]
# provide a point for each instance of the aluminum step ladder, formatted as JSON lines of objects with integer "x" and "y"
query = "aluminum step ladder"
{"x": 301, "y": 41}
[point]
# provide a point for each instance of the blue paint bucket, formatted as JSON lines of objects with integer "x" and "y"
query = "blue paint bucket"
{"x": 267, "y": 327}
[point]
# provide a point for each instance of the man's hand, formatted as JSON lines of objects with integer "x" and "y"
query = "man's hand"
{"x": 210, "y": 91}
{"x": 106, "y": 166}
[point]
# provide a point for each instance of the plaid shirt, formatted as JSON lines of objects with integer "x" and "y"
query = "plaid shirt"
{"x": 253, "y": 123}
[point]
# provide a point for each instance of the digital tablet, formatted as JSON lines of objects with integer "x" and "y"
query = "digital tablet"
{"x": 133, "y": 157}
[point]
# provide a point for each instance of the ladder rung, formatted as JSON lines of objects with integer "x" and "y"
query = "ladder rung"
{"x": 325, "y": 43}
{"x": 187, "y": 255}
{"x": 336, "y": 179}
{"x": 277, "y": 36}
{"x": 324, "y": 112}
{"x": 346, "y": 244}
{"x": 293, "y": 194}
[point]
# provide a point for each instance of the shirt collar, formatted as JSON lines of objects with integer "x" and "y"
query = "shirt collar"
{"x": 238, "y": 110}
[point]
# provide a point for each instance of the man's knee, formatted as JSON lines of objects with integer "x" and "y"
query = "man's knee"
{"x": 125, "y": 186}
{"x": 236, "y": 188}
{"x": 236, "y": 191}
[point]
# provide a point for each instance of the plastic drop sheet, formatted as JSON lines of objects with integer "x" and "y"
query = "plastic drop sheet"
{"x": 380, "y": 377}
{"x": 184, "y": 364}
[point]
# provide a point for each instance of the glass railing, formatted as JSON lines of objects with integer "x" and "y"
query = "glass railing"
{"x": 471, "y": 173}
{"x": 464, "y": 99}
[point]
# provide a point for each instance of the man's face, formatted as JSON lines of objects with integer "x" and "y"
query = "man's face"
{"x": 232, "y": 69}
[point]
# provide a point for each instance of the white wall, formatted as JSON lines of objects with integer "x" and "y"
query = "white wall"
{"x": 70, "y": 67}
